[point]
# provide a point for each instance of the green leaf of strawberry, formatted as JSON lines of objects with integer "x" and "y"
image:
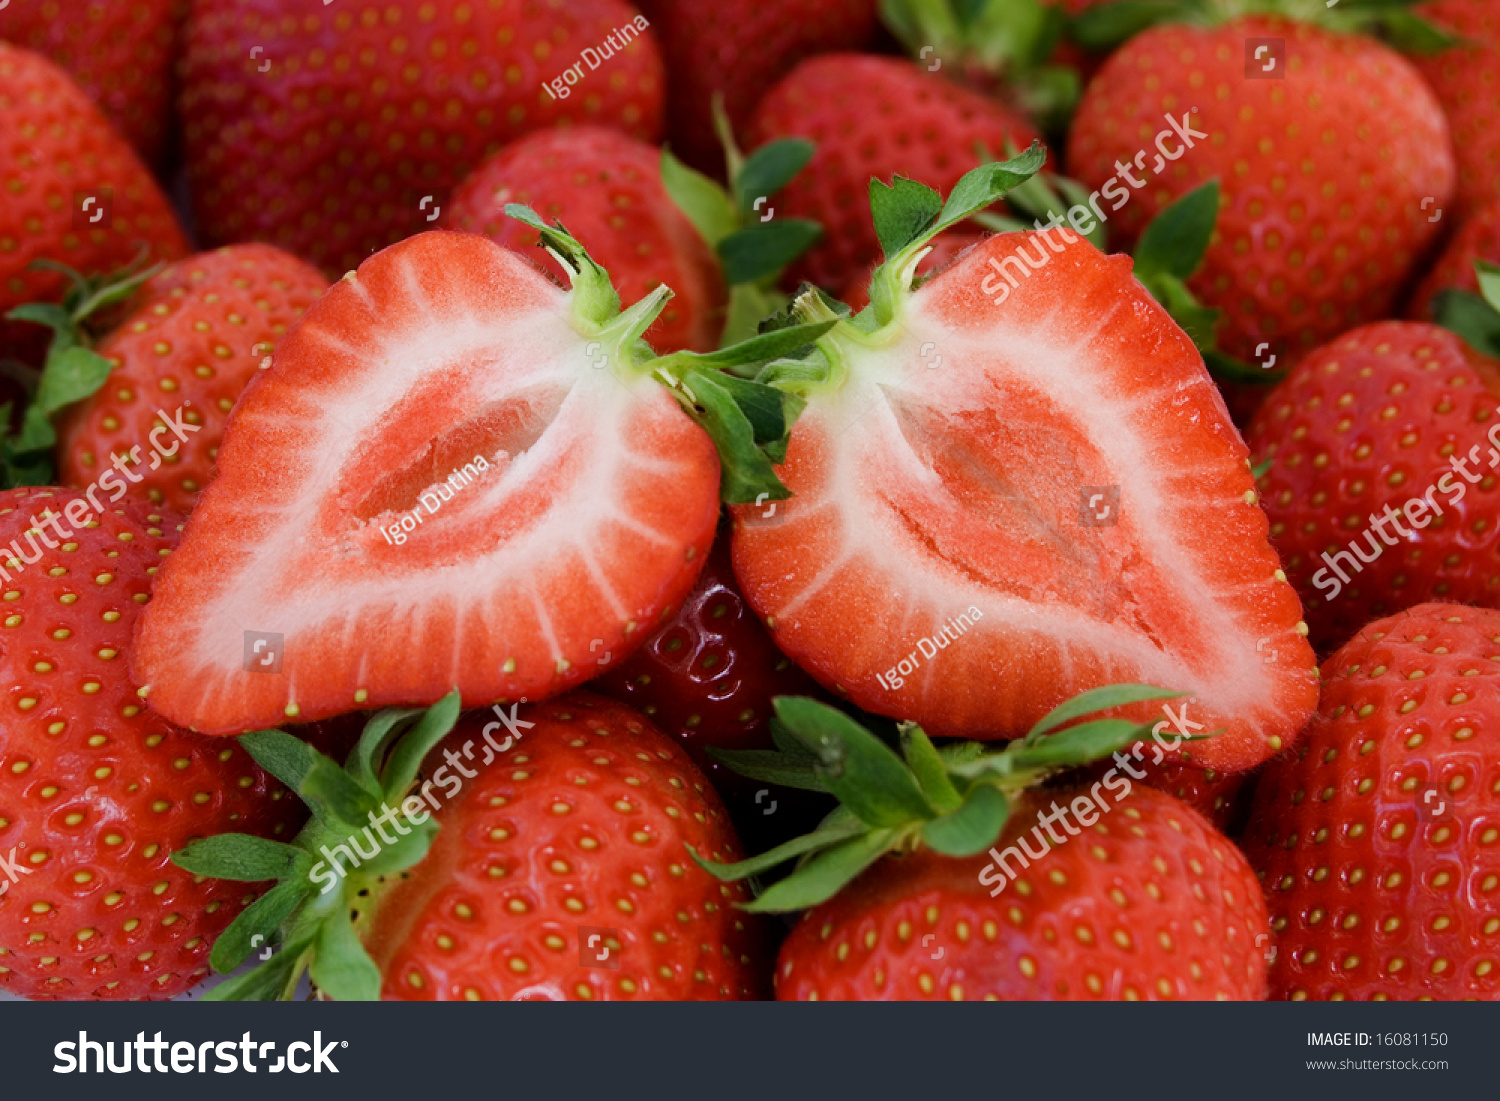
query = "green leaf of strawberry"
{"x": 955, "y": 800}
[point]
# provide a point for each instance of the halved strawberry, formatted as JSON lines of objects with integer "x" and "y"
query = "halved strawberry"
{"x": 454, "y": 474}
{"x": 1015, "y": 484}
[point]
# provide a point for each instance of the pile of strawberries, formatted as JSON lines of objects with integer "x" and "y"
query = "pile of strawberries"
{"x": 1016, "y": 484}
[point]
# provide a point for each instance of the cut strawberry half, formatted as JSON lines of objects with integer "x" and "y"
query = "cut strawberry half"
{"x": 1017, "y": 483}
{"x": 454, "y": 475}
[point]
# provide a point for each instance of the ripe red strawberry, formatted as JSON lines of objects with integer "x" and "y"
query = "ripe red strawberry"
{"x": 1463, "y": 78}
{"x": 195, "y": 336}
{"x": 1477, "y": 239}
{"x": 737, "y": 49}
{"x": 1391, "y": 420}
{"x": 1150, "y": 903}
{"x": 461, "y": 475}
{"x": 57, "y": 153}
{"x": 323, "y": 130}
{"x": 1092, "y": 891}
{"x": 559, "y": 869}
{"x": 1329, "y": 175}
{"x": 96, "y": 791}
{"x": 120, "y": 54}
{"x": 873, "y": 117}
{"x": 1007, "y": 494}
{"x": 1375, "y": 840}
{"x": 708, "y": 677}
{"x": 606, "y": 187}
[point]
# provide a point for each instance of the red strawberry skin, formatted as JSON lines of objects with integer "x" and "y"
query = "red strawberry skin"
{"x": 1149, "y": 903}
{"x": 54, "y": 143}
{"x": 1463, "y": 79}
{"x": 1376, "y": 839}
{"x": 1367, "y": 423}
{"x": 586, "y": 824}
{"x": 362, "y": 111}
{"x": 96, "y": 791}
{"x": 606, "y": 188}
{"x": 196, "y": 335}
{"x": 587, "y": 524}
{"x": 872, "y": 117}
{"x": 738, "y": 49}
{"x": 120, "y": 54}
{"x": 906, "y": 516}
{"x": 1325, "y": 174}
{"x": 1477, "y": 239}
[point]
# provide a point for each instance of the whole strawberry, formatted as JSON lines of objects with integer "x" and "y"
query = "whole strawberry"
{"x": 557, "y": 867}
{"x": 982, "y": 885}
{"x": 606, "y": 187}
{"x": 1463, "y": 78}
{"x": 1151, "y": 904}
{"x": 121, "y": 54}
{"x": 737, "y": 49}
{"x": 75, "y": 193}
{"x": 335, "y": 131}
{"x": 1381, "y": 489}
{"x": 1478, "y": 238}
{"x": 1375, "y": 838}
{"x": 1331, "y": 162}
{"x": 96, "y": 792}
{"x": 874, "y": 117}
{"x": 196, "y": 334}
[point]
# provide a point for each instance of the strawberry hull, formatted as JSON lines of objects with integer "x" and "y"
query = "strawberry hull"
{"x": 582, "y": 509}
{"x": 940, "y": 561}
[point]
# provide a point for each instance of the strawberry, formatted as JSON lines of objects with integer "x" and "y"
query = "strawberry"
{"x": 1016, "y": 483}
{"x": 1329, "y": 175}
{"x": 708, "y": 676}
{"x": 1478, "y": 238}
{"x": 450, "y": 450}
{"x": 606, "y": 187}
{"x": 196, "y": 335}
{"x": 96, "y": 791}
{"x": 121, "y": 55}
{"x": 1149, "y": 902}
{"x": 873, "y": 117}
{"x": 1462, "y": 77}
{"x": 1381, "y": 489}
{"x": 63, "y": 167}
{"x": 737, "y": 49}
{"x": 555, "y": 869}
{"x": 333, "y": 132}
{"x": 1375, "y": 839}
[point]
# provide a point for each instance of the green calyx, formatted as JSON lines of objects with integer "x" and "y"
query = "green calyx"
{"x": 952, "y": 799}
{"x": 72, "y": 372}
{"x": 989, "y": 43}
{"x": 1475, "y": 317}
{"x": 749, "y": 421}
{"x": 1104, "y": 27}
{"x": 754, "y": 246}
{"x": 907, "y": 216}
{"x": 305, "y": 921}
